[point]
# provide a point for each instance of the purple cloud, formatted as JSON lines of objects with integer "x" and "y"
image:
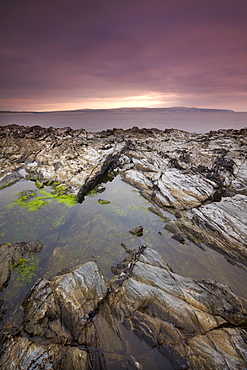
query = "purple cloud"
{"x": 64, "y": 53}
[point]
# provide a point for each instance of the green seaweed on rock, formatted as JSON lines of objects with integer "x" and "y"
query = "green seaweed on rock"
{"x": 103, "y": 201}
{"x": 29, "y": 199}
{"x": 26, "y": 268}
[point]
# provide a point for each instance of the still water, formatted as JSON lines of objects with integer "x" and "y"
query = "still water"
{"x": 95, "y": 231}
{"x": 199, "y": 122}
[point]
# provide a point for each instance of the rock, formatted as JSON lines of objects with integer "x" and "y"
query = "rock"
{"x": 17, "y": 352}
{"x": 59, "y": 308}
{"x": 221, "y": 225}
{"x": 194, "y": 324}
{"x": 176, "y": 170}
{"x": 138, "y": 231}
{"x": 11, "y": 253}
{"x": 201, "y": 179}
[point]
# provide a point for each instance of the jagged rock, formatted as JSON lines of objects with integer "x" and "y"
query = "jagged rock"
{"x": 201, "y": 178}
{"x": 193, "y": 324}
{"x": 59, "y": 308}
{"x": 17, "y": 352}
{"x": 10, "y": 253}
{"x": 221, "y": 225}
{"x": 175, "y": 169}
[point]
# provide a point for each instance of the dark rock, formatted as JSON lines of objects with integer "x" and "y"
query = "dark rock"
{"x": 17, "y": 352}
{"x": 179, "y": 238}
{"x": 138, "y": 231}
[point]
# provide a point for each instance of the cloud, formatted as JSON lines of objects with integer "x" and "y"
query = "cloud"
{"x": 78, "y": 51}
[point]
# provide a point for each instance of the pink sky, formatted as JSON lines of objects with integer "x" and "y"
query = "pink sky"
{"x": 123, "y": 53}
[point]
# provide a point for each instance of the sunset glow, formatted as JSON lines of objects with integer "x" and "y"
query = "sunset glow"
{"x": 113, "y": 53}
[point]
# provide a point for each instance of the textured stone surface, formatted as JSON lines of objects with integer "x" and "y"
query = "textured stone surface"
{"x": 193, "y": 324}
{"x": 179, "y": 171}
{"x": 201, "y": 179}
{"x": 18, "y": 352}
{"x": 60, "y": 307}
{"x": 10, "y": 253}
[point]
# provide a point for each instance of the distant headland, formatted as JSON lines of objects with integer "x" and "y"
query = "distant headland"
{"x": 130, "y": 110}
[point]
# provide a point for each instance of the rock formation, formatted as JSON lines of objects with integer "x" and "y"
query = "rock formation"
{"x": 194, "y": 325}
{"x": 201, "y": 178}
{"x": 77, "y": 319}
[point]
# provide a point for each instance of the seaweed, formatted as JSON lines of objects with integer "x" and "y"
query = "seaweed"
{"x": 29, "y": 199}
{"x": 102, "y": 201}
{"x": 26, "y": 268}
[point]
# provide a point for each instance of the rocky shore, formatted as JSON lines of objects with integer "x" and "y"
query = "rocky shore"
{"x": 78, "y": 320}
{"x": 201, "y": 178}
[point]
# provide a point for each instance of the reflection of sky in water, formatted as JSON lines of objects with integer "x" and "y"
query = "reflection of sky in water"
{"x": 94, "y": 231}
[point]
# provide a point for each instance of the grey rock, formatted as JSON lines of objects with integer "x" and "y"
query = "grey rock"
{"x": 178, "y": 171}
{"x": 193, "y": 324}
{"x": 59, "y": 308}
{"x": 221, "y": 225}
{"x": 17, "y": 352}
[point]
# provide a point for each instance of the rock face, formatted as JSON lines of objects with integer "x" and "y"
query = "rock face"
{"x": 194, "y": 325}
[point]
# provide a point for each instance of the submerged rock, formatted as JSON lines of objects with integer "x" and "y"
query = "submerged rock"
{"x": 10, "y": 254}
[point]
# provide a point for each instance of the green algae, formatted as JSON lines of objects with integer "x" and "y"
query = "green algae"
{"x": 70, "y": 200}
{"x": 11, "y": 182}
{"x": 102, "y": 201}
{"x": 26, "y": 268}
{"x": 39, "y": 184}
{"x": 123, "y": 211}
{"x": 60, "y": 189}
{"x": 28, "y": 199}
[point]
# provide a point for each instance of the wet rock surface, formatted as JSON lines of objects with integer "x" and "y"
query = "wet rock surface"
{"x": 194, "y": 325}
{"x": 17, "y": 352}
{"x": 192, "y": 175}
{"x": 78, "y": 320}
{"x": 10, "y": 254}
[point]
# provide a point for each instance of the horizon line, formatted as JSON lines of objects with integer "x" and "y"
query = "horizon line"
{"x": 119, "y": 108}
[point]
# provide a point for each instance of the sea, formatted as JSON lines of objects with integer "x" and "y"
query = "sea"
{"x": 93, "y": 121}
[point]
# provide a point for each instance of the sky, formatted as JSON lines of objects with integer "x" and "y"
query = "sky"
{"x": 76, "y": 54}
